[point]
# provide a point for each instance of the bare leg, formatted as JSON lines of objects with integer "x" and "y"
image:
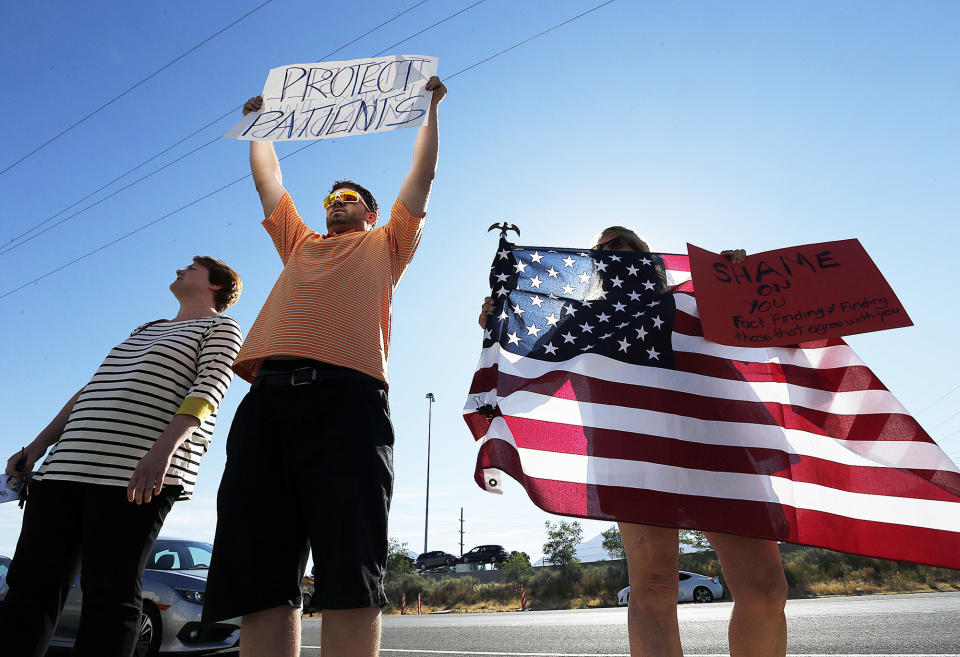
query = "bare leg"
{"x": 271, "y": 633}
{"x": 350, "y": 632}
{"x": 652, "y": 611}
{"x": 754, "y": 573}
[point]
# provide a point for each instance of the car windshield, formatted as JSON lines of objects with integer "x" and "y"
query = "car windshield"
{"x": 169, "y": 554}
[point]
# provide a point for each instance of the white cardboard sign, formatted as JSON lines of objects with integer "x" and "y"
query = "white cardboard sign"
{"x": 340, "y": 99}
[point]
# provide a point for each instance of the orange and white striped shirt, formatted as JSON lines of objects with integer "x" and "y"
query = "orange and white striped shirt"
{"x": 332, "y": 300}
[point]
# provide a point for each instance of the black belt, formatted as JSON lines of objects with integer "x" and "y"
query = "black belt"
{"x": 289, "y": 373}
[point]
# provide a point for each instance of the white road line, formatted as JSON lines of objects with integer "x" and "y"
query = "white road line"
{"x": 623, "y": 654}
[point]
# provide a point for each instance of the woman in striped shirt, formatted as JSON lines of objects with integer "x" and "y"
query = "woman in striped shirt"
{"x": 125, "y": 447}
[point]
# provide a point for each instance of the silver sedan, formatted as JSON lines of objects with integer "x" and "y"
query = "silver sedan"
{"x": 693, "y": 588}
{"x": 173, "y": 590}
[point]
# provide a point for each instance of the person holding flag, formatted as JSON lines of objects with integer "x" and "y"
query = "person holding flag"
{"x": 310, "y": 452}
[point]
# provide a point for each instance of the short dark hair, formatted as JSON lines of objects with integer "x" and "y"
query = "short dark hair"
{"x": 360, "y": 189}
{"x": 228, "y": 280}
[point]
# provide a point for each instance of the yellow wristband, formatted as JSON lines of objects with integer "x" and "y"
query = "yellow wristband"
{"x": 198, "y": 407}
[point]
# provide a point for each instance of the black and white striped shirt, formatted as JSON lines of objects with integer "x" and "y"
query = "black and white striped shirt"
{"x": 135, "y": 394}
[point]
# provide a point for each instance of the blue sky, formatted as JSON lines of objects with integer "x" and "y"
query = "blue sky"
{"x": 729, "y": 125}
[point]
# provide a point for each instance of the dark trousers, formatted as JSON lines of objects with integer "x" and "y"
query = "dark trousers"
{"x": 66, "y": 526}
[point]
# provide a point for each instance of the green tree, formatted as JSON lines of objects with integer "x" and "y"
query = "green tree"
{"x": 398, "y": 559}
{"x": 694, "y": 538}
{"x": 613, "y": 543}
{"x": 517, "y": 566}
{"x": 562, "y": 539}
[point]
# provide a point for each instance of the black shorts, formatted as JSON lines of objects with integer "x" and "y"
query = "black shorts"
{"x": 307, "y": 466}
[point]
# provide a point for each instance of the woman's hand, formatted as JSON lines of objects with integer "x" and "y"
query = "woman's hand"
{"x": 486, "y": 309}
{"x": 735, "y": 256}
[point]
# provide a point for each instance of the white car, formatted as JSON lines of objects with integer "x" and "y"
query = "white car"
{"x": 693, "y": 588}
{"x": 173, "y": 590}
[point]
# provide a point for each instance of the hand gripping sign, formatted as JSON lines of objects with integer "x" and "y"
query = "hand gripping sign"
{"x": 793, "y": 295}
{"x": 340, "y": 99}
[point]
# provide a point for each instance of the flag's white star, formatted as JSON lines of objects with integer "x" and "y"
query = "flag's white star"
{"x": 622, "y": 324}
{"x": 652, "y": 304}
{"x": 615, "y": 258}
{"x": 552, "y": 273}
{"x": 517, "y": 309}
{"x": 549, "y": 348}
{"x": 632, "y": 270}
{"x": 624, "y": 345}
{"x": 513, "y": 338}
{"x": 502, "y": 277}
{"x": 520, "y": 267}
{"x": 587, "y": 348}
{"x": 602, "y": 294}
{"x": 533, "y": 330}
{"x": 552, "y": 296}
{"x": 601, "y": 266}
{"x": 648, "y": 285}
{"x": 634, "y": 296}
{"x": 583, "y": 278}
{"x": 487, "y": 334}
{"x": 567, "y": 289}
{"x": 653, "y": 354}
{"x": 645, "y": 261}
{"x": 603, "y": 317}
{"x": 568, "y": 337}
{"x": 616, "y": 281}
{"x": 536, "y": 257}
{"x": 583, "y": 255}
{"x": 619, "y": 306}
{"x": 605, "y": 336}
{"x": 639, "y": 314}
{"x": 568, "y": 261}
{"x": 570, "y": 309}
{"x": 552, "y": 319}
{"x": 641, "y": 333}
{"x": 537, "y": 301}
{"x": 502, "y": 291}
{"x": 535, "y": 282}
{"x": 586, "y": 328}
{"x": 657, "y": 322}
{"x": 503, "y": 315}
{"x": 503, "y": 254}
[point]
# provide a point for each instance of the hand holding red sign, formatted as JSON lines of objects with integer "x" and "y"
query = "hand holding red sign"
{"x": 793, "y": 295}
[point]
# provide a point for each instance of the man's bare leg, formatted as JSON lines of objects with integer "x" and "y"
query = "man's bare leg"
{"x": 271, "y": 633}
{"x": 652, "y": 554}
{"x": 350, "y": 632}
{"x": 754, "y": 573}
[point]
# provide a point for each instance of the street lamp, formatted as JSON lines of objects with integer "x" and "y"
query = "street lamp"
{"x": 426, "y": 513}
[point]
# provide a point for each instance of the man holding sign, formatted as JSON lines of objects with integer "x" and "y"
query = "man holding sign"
{"x": 310, "y": 452}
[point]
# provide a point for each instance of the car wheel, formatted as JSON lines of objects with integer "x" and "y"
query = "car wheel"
{"x": 702, "y": 594}
{"x": 493, "y": 560}
{"x": 448, "y": 562}
{"x": 148, "y": 639}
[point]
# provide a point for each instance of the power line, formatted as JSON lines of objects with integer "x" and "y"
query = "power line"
{"x": 949, "y": 417}
{"x": 11, "y": 244}
{"x": 124, "y": 93}
{"x": 939, "y": 399}
{"x": 313, "y": 143}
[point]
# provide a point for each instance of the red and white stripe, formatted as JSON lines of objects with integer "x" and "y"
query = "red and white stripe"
{"x": 803, "y": 445}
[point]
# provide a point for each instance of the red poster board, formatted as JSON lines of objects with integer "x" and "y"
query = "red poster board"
{"x": 793, "y": 295}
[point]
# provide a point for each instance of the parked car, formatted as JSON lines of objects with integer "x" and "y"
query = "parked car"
{"x": 485, "y": 554}
{"x": 693, "y": 588}
{"x": 434, "y": 559}
{"x": 173, "y": 590}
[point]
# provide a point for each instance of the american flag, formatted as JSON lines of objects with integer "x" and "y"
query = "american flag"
{"x": 597, "y": 392}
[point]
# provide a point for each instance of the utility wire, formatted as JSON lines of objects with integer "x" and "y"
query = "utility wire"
{"x": 12, "y": 245}
{"x": 939, "y": 399}
{"x": 121, "y": 95}
{"x": 949, "y": 417}
{"x": 234, "y": 182}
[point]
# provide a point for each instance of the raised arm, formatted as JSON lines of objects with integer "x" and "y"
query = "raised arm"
{"x": 415, "y": 191}
{"x": 264, "y": 166}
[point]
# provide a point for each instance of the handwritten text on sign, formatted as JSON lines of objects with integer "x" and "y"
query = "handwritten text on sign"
{"x": 793, "y": 295}
{"x": 340, "y": 99}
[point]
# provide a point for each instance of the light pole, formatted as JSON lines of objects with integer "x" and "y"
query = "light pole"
{"x": 426, "y": 513}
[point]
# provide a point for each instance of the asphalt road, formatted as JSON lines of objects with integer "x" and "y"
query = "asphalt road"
{"x": 918, "y": 624}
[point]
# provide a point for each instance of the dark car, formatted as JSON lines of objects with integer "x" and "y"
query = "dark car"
{"x": 434, "y": 559}
{"x": 485, "y": 554}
